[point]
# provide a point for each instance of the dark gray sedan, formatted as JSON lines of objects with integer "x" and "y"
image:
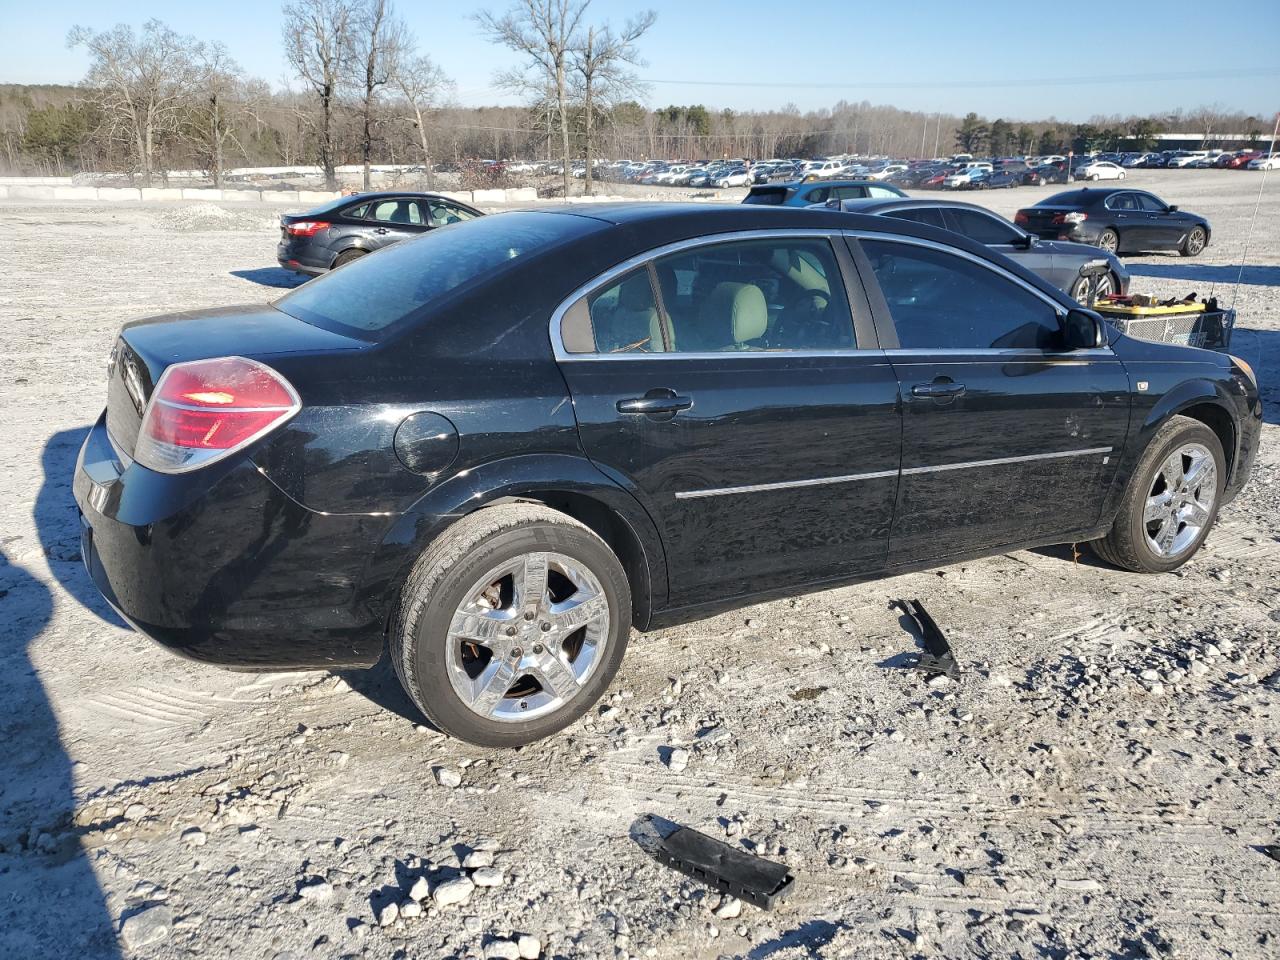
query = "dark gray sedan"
{"x": 349, "y": 227}
{"x": 1057, "y": 261}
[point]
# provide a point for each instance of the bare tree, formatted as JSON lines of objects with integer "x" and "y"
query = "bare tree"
{"x": 600, "y": 63}
{"x": 218, "y": 89}
{"x": 138, "y": 82}
{"x": 422, "y": 84}
{"x": 317, "y": 43}
{"x": 379, "y": 40}
{"x": 545, "y": 32}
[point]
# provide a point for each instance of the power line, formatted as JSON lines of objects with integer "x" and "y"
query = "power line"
{"x": 1092, "y": 80}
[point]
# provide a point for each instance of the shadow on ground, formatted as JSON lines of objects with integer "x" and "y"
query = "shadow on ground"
{"x": 1263, "y": 276}
{"x": 50, "y": 901}
{"x": 272, "y": 277}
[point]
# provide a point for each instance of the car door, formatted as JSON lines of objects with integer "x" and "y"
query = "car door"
{"x": 1127, "y": 219}
{"x": 396, "y": 218}
{"x": 1162, "y": 227}
{"x": 1007, "y": 438}
{"x": 721, "y": 382}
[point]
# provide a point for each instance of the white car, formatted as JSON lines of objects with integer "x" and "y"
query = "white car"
{"x": 822, "y": 168}
{"x": 735, "y": 178}
{"x": 671, "y": 173}
{"x": 963, "y": 178}
{"x": 1185, "y": 159}
{"x": 1099, "y": 170}
{"x": 1265, "y": 163}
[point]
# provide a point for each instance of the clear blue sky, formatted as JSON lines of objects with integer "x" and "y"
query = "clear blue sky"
{"x": 999, "y": 59}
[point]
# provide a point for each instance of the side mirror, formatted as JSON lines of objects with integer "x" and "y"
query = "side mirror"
{"x": 1173, "y": 208}
{"x": 1082, "y": 330}
{"x": 1028, "y": 241}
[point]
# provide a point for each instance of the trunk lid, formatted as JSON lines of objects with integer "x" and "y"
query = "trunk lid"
{"x": 146, "y": 347}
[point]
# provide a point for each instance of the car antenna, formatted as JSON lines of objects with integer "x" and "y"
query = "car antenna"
{"x": 1249, "y": 236}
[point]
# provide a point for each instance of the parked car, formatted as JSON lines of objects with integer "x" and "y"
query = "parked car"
{"x": 802, "y": 194}
{"x": 734, "y": 177}
{"x": 1045, "y": 174}
{"x": 1184, "y": 158}
{"x": 1271, "y": 162}
{"x": 697, "y": 177}
{"x": 350, "y": 227}
{"x": 1242, "y": 159}
{"x": 1099, "y": 170}
{"x": 1058, "y": 262}
{"x": 964, "y": 179}
{"x": 1003, "y": 178}
{"x": 1117, "y": 220}
{"x": 306, "y": 483}
{"x": 818, "y": 169}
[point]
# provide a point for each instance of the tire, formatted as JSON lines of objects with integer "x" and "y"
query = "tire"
{"x": 1106, "y": 284}
{"x": 1121, "y": 177}
{"x": 1129, "y": 543}
{"x": 431, "y": 659}
{"x": 1194, "y": 243}
{"x": 1109, "y": 240}
{"x": 347, "y": 256}
{"x": 1095, "y": 176}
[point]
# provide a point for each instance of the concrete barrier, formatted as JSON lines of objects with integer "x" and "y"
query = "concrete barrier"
{"x": 317, "y": 196}
{"x": 4, "y": 193}
{"x": 161, "y": 193}
{"x": 200, "y": 193}
{"x": 488, "y": 196}
{"x": 462, "y": 196}
{"x": 522, "y": 195}
{"x": 75, "y": 193}
{"x": 30, "y": 192}
{"x": 242, "y": 196}
{"x": 119, "y": 193}
{"x": 280, "y": 196}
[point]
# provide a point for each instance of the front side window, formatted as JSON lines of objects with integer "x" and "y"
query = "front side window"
{"x": 1150, "y": 204}
{"x": 442, "y": 213}
{"x": 818, "y": 195}
{"x": 941, "y": 301}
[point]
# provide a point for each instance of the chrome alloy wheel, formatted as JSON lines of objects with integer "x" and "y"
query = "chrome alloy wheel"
{"x": 1180, "y": 500}
{"x": 527, "y": 637}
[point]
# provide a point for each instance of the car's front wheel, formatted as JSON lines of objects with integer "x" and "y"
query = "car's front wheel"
{"x": 1195, "y": 242}
{"x": 1171, "y": 500}
{"x": 511, "y": 625}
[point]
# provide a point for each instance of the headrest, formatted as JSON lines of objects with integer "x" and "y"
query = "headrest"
{"x": 743, "y": 306}
{"x": 636, "y": 294}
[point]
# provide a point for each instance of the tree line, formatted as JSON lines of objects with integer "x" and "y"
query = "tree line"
{"x": 364, "y": 92}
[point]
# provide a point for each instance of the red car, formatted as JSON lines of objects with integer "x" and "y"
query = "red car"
{"x": 1241, "y": 160}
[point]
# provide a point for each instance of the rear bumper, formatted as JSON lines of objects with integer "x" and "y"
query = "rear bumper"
{"x": 224, "y": 568}
{"x": 302, "y": 257}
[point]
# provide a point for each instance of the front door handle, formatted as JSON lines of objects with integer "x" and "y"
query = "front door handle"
{"x": 381, "y": 230}
{"x": 666, "y": 402}
{"x": 938, "y": 390}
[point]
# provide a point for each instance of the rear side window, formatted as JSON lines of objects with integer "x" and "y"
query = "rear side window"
{"x": 931, "y": 216}
{"x": 624, "y": 316}
{"x": 373, "y": 295}
{"x": 398, "y": 211}
{"x": 754, "y": 295}
{"x": 881, "y": 192}
{"x": 939, "y": 301}
{"x": 773, "y": 197}
{"x": 980, "y": 227}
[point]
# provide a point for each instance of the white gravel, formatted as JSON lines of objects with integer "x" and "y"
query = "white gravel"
{"x": 1046, "y": 804}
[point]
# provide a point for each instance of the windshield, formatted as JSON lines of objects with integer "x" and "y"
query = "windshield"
{"x": 370, "y": 296}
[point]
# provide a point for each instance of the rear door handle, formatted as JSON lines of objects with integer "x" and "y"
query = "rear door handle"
{"x": 663, "y": 404}
{"x": 938, "y": 391}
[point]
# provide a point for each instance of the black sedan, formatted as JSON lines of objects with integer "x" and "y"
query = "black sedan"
{"x": 348, "y": 228}
{"x": 499, "y": 447}
{"x": 1056, "y": 261}
{"x": 1117, "y": 219}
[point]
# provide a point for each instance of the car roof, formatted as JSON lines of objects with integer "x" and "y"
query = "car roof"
{"x": 879, "y": 205}
{"x": 796, "y": 184}
{"x": 352, "y": 198}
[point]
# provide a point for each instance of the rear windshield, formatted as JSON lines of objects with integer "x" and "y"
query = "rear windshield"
{"x": 770, "y": 195}
{"x": 1068, "y": 198}
{"x": 369, "y": 297}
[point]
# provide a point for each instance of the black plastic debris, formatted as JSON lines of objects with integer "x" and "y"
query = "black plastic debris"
{"x": 937, "y": 658}
{"x": 729, "y": 869}
{"x": 1272, "y": 850}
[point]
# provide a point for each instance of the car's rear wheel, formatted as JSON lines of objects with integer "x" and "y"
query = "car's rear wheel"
{"x": 1195, "y": 242}
{"x": 1171, "y": 501}
{"x": 511, "y": 625}
{"x": 347, "y": 256}
{"x": 1109, "y": 240}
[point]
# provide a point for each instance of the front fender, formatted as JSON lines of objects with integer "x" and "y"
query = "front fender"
{"x": 1146, "y": 421}
{"x": 533, "y": 476}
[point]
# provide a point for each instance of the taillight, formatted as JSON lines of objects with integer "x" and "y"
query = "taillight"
{"x": 305, "y": 228}
{"x": 1021, "y": 217}
{"x": 205, "y": 410}
{"x": 1061, "y": 218}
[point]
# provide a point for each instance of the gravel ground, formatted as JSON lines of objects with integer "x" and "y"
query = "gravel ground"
{"x": 1098, "y": 783}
